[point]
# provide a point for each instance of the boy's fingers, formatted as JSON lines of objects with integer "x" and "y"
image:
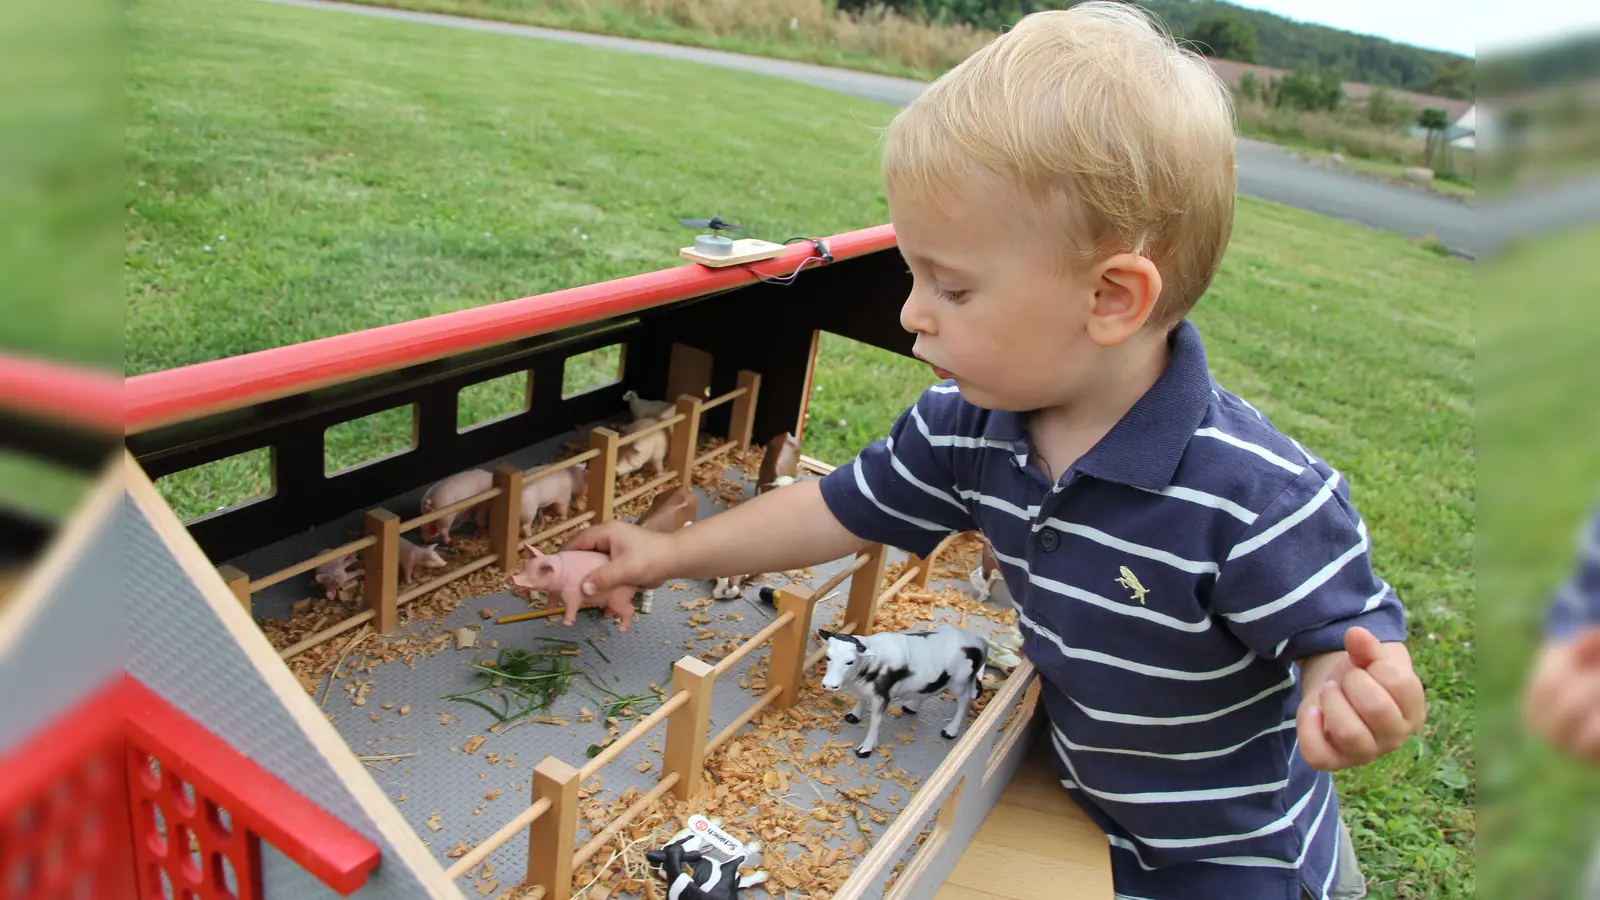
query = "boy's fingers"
{"x": 1402, "y": 683}
{"x": 1572, "y": 707}
{"x": 1314, "y": 746}
{"x": 1587, "y": 747}
{"x": 1364, "y": 648}
{"x": 1586, "y": 648}
{"x": 1348, "y": 734}
{"x": 1377, "y": 709}
{"x": 597, "y": 539}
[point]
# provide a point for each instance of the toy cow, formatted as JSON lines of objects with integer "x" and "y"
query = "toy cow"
{"x": 702, "y": 862}
{"x": 905, "y": 666}
{"x": 780, "y": 466}
{"x": 454, "y": 489}
{"x": 560, "y": 576}
{"x": 671, "y": 511}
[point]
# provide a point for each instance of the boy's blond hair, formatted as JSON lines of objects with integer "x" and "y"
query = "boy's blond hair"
{"x": 1117, "y": 139}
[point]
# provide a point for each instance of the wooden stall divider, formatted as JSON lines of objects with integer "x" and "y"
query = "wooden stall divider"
{"x": 862, "y": 607}
{"x": 550, "y": 836}
{"x": 684, "y": 752}
{"x": 603, "y": 475}
{"x": 680, "y": 453}
{"x": 925, "y": 567}
{"x": 505, "y": 516}
{"x": 788, "y": 661}
{"x": 238, "y": 582}
{"x": 742, "y": 422}
{"x": 381, "y": 564}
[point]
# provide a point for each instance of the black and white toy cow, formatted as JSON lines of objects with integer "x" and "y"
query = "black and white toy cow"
{"x": 904, "y": 666}
{"x": 702, "y": 862}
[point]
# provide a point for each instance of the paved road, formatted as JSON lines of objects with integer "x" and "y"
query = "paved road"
{"x": 1265, "y": 170}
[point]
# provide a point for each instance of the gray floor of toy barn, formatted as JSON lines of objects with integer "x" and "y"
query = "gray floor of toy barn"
{"x": 442, "y": 778}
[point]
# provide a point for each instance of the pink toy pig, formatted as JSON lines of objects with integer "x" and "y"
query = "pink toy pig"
{"x": 333, "y": 575}
{"x": 650, "y": 449}
{"x": 561, "y": 576}
{"x": 414, "y": 557}
{"x": 558, "y": 489}
{"x": 454, "y": 489}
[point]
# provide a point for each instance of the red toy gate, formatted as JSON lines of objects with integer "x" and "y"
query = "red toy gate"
{"x": 125, "y": 796}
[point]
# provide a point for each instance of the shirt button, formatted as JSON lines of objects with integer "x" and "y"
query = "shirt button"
{"x": 1048, "y": 539}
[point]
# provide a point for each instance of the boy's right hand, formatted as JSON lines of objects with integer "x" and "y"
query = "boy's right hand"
{"x": 638, "y": 557}
{"x": 1562, "y": 704}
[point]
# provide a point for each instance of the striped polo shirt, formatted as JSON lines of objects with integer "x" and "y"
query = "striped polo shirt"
{"x": 1165, "y": 585}
{"x": 1577, "y": 603}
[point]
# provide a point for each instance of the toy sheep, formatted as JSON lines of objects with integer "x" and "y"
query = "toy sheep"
{"x": 904, "y": 666}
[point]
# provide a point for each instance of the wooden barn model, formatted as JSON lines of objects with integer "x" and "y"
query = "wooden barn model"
{"x": 274, "y": 736}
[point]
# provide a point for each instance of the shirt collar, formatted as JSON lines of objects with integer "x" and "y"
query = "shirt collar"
{"x": 1143, "y": 449}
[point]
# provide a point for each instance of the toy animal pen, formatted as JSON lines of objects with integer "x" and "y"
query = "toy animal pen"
{"x": 399, "y": 765}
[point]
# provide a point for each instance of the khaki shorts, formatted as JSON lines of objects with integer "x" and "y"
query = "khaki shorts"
{"x": 1351, "y": 884}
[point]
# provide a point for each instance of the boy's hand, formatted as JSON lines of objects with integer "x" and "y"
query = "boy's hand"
{"x": 1562, "y": 704}
{"x": 1358, "y": 704}
{"x": 638, "y": 557}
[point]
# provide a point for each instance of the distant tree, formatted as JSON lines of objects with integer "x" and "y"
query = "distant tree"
{"x": 1308, "y": 89}
{"x": 1228, "y": 37}
{"x": 1434, "y": 120}
{"x": 1385, "y": 110}
{"x": 1249, "y": 86}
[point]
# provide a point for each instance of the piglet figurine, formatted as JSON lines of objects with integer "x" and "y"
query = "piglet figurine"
{"x": 557, "y": 489}
{"x": 454, "y": 489}
{"x": 671, "y": 511}
{"x": 650, "y": 449}
{"x": 413, "y": 557}
{"x": 333, "y": 575}
{"x": 561, "y": 575}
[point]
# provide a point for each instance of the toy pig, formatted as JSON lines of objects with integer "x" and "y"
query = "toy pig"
{"x": 332, "y": 575}
{"x": 454, "y": 489}
{"x": 651, "y": 449}
{"x": 560, "y": 576}
{"x": 671, "y": 511}
{"x": 413, "y": 557}
{"x": 781, "y": 463}
{"x": 557, "y": 489}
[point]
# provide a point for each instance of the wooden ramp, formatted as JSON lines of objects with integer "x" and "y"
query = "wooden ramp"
{"x": 1036, "y": 844}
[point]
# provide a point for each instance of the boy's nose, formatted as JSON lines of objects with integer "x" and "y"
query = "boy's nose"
{"x": 915, "y": 314}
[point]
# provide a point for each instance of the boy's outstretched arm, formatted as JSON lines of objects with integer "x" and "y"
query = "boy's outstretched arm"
{"x": 782, "y": 529}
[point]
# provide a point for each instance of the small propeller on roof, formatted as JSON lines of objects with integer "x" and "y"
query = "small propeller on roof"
{"x": 715, "y": 223}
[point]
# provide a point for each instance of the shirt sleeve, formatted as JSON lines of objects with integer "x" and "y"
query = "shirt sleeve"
{"x": 901, "y": 490}
{"x": 1577, "y": 603}
{"x": 1301, "y": 575}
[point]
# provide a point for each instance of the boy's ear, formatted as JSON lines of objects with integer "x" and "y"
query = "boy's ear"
{"x": 1126, "y": 288}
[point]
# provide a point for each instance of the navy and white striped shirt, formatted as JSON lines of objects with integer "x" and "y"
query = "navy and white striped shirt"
{"x": 1577, "y": 604}
{"x": 1165, "y": 586}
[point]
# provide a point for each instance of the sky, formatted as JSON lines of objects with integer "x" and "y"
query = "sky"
{"x": 1458, "y": 26}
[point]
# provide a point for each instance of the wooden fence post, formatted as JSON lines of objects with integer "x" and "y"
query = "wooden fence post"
{"x": 505, "y": 516}
{"x": 238, "y": 582}
{"x": 685, "y": 751}
{"x": 603, "y": 474}
{"x": 551, "y": 836}
{"x": 862, "y": 607}
{"x": 381, "y": 570}
{"x": 685, "y": 436}
{"x": 742, "y": 422}
{"x": 924, "y": 568}
{"x": 788, "y": 663}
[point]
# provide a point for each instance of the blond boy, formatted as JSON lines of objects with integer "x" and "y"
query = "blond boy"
{"x": 1063, "y": 198}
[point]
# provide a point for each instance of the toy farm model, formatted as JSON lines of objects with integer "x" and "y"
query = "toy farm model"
{"x": 381, "y": 680}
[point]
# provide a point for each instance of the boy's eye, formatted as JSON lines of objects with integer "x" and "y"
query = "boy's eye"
{"x": 945, "y": 293}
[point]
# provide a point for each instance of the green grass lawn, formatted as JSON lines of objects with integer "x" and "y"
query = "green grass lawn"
{"x": 365, "y": 172}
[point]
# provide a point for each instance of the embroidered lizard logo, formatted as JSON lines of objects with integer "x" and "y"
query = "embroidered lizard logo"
{"x": 1131, "y": 582}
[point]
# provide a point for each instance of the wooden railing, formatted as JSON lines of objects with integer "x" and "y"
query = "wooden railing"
{"x": 551, "y": 819}
{"x": 380, "y": 546}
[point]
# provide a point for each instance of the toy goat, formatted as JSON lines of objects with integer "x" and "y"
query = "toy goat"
{"x": 904, "y": 666}
{"x": 702, "y": 862}
{"x": 640, "y": 408}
